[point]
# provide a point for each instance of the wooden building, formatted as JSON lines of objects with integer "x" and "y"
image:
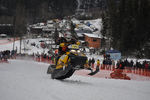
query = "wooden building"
{"x": 93, "y": 40}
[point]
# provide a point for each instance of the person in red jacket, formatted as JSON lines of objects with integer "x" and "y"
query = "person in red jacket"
{"x": 146, "y": 65}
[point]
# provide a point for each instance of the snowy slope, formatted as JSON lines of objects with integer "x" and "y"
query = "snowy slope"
{"x": 31, "y": 49}
{"x": 27, "y": 80}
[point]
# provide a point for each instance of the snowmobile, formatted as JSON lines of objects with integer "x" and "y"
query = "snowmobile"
{"x": 67, "y": 64}
{"x": 118, "y": 74}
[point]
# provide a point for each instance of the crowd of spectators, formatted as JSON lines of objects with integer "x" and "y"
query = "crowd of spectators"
{"x": 7, "y": 54}
{"x": 45, "y": 56}
{"x": 138, "y": 64}
{"x": 121, "y": 64}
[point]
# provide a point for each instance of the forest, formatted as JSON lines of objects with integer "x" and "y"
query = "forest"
{"x": 36, "y": 10}
{"x": 125, "y": 22}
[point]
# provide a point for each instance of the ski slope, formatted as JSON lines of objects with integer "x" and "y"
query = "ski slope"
{"x": 27, "y": 80}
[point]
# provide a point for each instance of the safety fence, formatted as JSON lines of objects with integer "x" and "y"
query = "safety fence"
{"x": 50, "y": 60}
{"x": 138, "y": 71}
{"x": 5, "y": 59}
{"x": 132, "y": 70}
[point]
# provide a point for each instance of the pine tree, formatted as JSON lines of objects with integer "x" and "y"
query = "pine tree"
{"x": 129, "y": 24}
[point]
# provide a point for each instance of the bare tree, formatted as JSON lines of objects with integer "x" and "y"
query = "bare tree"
{"x": 20, "y": 22}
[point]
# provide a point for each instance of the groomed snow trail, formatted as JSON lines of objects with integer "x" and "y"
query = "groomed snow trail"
{"x": 27, "y": 80}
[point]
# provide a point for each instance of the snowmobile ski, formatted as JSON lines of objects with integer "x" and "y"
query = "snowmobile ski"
{"x": 93, "y": 73}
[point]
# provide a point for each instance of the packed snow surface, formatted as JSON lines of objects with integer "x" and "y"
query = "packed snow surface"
{"x": 27, "y": 80}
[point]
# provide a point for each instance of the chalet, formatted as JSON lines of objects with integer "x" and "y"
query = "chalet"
{"x": 3, "y": 35}
{"x": 80, "y": 32}
{"x": 93, "y": 40}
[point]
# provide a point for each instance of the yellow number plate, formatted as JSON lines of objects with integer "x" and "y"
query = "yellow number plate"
{"x": 75, "y": 46}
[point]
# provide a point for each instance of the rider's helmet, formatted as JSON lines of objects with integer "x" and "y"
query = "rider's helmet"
{"x": 62, "y": 44}
{"x": 68, "y": 37}
{"x": 78, "y": 43}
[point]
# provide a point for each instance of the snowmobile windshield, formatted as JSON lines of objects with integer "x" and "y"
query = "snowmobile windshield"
{"x": 73, "y": 47}
{"x": 77, "y": 52}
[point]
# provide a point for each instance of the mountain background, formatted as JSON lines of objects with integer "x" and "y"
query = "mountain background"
{"x": 41, "y": 10}
{"x": 126, "y": 23}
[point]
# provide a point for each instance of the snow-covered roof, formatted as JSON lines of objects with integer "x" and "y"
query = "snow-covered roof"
{"x": 84, "y": 27}
{"x": 80, "y": 34}
{"x": 93, "y": 35}
{"x": 49, "y": 22}
{"x": 76, "y": 21}
{"x": 3, "y": 34}
{"x": 96, "y": 22}
{"x": 37, "y": 27}
{"x": 6, "y": 25}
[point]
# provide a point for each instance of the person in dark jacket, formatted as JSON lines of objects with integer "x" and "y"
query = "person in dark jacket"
{"x": 120, "y": 64}
{"x": 93, "y": 61}
{"x": 90, "y": 62}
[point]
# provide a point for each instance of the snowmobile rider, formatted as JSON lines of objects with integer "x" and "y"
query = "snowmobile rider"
{"x": 63, "y": 46}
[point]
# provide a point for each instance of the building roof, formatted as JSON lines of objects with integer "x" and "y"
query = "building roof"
{"x": 112, "y": 51}
{"x": 3, "y": 35}
{"x": 93, "y": 35}
{"x": 6, "y": 25}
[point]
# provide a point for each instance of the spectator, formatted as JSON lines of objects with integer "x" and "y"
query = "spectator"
{"x": 87, "y": 66}
{"x": 109, "y": 63}
{"x": 146, "y": 65}
{"x": 98, "y": 64}
{"x": 90, "y": 62}
{"x": 104, "y": 63}
{"x": 131, "y": 63}
{"x": 104, "y": 56}
{"x": 113, "y": 64}
{"x": 126, "y": 62}
{"x": 137, "y": 64}
{"x": 143, "y": 64}
{"x": 120, "y": 64}
{"x": 93, "y": 61}
{"x": 1, "y": 56}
